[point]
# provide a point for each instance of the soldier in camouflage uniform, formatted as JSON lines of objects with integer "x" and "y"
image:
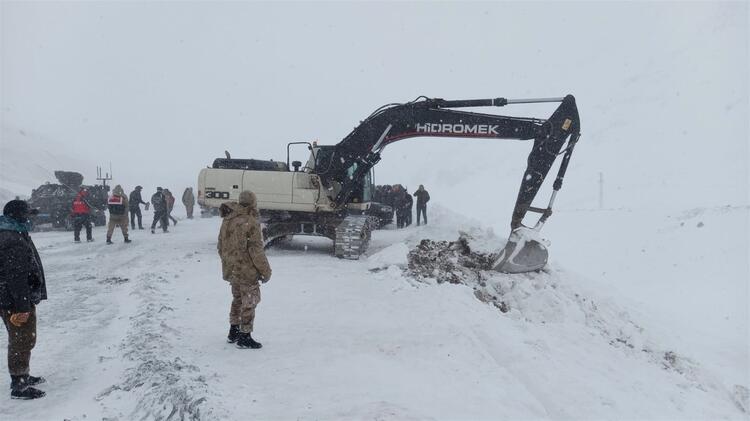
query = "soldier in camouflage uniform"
{"x": 118, "y": 213}
{"x": 244, "y": 265}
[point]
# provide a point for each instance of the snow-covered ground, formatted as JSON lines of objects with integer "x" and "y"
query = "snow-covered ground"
{"x": 641, "y": 314}
{"x": 138, "y": 332}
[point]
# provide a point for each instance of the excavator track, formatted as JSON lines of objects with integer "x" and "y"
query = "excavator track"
{"x": 353, "y": 236}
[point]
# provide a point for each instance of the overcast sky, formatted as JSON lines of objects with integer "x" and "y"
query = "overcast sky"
{"x": 160, "y": 89}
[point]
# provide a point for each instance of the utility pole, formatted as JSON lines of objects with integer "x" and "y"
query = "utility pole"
{"x": 106, "y": 177}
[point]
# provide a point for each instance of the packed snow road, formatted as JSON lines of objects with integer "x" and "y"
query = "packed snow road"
{"x": 138, "y": 332}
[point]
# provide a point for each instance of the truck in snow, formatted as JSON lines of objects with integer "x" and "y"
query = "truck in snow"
{"x": 54, "y": 201}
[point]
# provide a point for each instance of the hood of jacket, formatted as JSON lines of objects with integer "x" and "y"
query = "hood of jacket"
{"x": 230, "y": 210}
{"x": 10, "y": 224}
{"x": 118, "y": 191}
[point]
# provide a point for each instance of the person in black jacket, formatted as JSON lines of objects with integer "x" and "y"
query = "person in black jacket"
{"x": 399, "y": 199}
{"x": 134, "y": 205}
{"x": 422, "y": 198}
{"x": 22, "y": 288}
{"x": 408, "y": 207}
{"x": 159, "y": 202}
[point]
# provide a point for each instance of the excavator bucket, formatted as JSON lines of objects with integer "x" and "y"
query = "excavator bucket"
{"x": 525, "y": 251}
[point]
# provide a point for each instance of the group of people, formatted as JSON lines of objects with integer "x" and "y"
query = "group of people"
{"x": 23, "y": 287}
{"x": 398, "y": 197}
{"x": 119, "y": 205}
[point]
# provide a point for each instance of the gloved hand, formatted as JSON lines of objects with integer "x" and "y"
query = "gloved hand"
{"x": 18, "y": 319}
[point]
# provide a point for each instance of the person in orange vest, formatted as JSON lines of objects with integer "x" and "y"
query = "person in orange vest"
{"x": 81, "y": 215}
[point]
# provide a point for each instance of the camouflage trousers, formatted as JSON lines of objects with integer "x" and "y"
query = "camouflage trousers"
{"x": 21, "y": 341}
{"x": 245, "y": 297}
{"x": 118, "y": 220}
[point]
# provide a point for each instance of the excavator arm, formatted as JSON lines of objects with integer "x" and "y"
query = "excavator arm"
{"x": 437, "y": 118}
{"x": 357, "y": 153}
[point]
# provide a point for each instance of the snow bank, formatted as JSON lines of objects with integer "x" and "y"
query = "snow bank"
{"x": 394, "y": 255}
{"x": 553, "y": 297}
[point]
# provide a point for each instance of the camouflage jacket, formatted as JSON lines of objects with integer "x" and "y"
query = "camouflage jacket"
{"x": 241, "y": 245}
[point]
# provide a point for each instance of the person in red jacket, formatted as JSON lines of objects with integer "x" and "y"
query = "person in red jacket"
{"x": 81, "y": 214}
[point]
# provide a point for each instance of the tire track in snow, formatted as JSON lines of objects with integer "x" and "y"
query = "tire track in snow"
{"x": 167, "y": 387}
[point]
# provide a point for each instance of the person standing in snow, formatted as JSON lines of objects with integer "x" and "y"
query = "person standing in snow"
{"x": 118, "y": 213}
{"x": 244, "y": 265}
{"x": 159, "y": 202}
{"x": 22, "y": 288}
{"x": 170, "y": 205}
{"x": 422, "y": 198}
{"x": 135, "y": 203}
{"x": 188, "y": 199}
{"x": 398, "y": 204}
{"x": 408, "y": 207}
{"x": 81, "y": 215}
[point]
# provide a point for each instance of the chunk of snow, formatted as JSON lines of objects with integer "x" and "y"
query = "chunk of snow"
{"x": 395, "y": 255}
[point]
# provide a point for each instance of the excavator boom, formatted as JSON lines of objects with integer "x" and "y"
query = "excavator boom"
{"x": 359, "y": 151}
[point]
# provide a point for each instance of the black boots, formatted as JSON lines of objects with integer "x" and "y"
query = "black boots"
{"x": 245, "y": 340}
{"x": 33, "y": 380}
{"x": 127, "y": 240}
{"x": 234, "y": 333}
{"x": 21, "y": 387}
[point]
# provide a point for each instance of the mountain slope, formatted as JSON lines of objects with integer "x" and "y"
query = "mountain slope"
{"x": 28, "y": 160}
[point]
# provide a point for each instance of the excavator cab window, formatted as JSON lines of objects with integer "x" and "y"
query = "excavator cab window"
{"x": 367, "y": 188}
{"x": 323, "y": 155}
{"x": 350, "y": 171}
{"x": 363, "y": 192}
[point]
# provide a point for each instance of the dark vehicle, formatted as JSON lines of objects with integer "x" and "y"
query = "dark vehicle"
{"x": 54, "y": 201}
{"x": 383, "y": 213}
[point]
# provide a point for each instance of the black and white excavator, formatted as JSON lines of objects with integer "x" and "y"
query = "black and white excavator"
{"x": 331, "y": 195}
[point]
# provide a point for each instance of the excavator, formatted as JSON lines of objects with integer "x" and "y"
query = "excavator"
{"x": 331, "y": 195}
